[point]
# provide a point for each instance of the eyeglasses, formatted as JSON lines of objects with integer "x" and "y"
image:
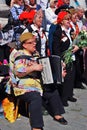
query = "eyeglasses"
{"x": 55, "y": 1}
{"x": 30, "y": 42}
{"x": 20, "y": 0}
{"x": 67, "y": 19}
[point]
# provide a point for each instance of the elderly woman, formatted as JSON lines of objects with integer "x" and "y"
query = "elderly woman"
{"x": 61, "y": 42}
{"x": 37, "y": 29}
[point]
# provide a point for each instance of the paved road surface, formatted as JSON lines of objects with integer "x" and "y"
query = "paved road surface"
{"x": 76, "y": 114}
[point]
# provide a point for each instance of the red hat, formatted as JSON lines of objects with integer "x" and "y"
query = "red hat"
{"x": 27, "y": 15}
{"x": 60, "y": 3}
{"x": 61, "y": 16}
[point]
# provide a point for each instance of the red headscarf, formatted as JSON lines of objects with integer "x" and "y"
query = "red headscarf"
{"x": 61, "y": 16}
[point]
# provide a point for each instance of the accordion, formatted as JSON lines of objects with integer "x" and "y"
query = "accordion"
{"x": 52, "y": 69}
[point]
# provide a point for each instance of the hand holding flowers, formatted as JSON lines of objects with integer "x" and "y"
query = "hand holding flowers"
{"x": 79, "y": 42}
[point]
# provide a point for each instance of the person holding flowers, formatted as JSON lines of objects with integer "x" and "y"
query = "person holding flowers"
{"x": 79, "y": 54}
{"x": 62, "y": 41}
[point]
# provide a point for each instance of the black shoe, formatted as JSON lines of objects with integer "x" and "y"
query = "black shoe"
{"x": 65, "y": 103}
{"x": 81, "y": 85}
{"x": 61, "y": 121}
{"x": 45, "y": 112}
{"x": 72, "y": 99}
{"x": 38, "y": 128}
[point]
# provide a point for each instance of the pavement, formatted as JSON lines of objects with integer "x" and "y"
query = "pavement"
{"x": 76, "y": 115}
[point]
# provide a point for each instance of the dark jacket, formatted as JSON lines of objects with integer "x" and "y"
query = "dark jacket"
{"x": 60, "y": 42}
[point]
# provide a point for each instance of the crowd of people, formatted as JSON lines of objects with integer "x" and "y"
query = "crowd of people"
{"x": 40, "y": 29}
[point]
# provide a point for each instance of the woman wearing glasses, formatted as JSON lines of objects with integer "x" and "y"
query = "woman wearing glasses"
{"x": 24, "y": 72}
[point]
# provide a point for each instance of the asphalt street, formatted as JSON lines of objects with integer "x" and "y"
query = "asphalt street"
{"x": 76, "y": 115}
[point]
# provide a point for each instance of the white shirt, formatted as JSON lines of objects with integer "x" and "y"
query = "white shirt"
{"x": 80, "y": 24}
{"x": 42, "y": 3}
{"x": 51, "y": 17}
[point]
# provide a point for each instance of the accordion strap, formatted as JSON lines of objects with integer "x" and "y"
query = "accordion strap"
{"x": 31, "y": 75}
{"x": 23, "y": 57}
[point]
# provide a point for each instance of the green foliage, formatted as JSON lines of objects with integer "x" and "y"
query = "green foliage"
{"x": 68, "y": 56}
{"x": 81, "y": 41}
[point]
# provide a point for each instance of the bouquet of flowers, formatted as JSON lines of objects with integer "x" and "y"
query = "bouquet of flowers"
{"x": 68, "y": 56}
{"x": 80, "y": 41}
